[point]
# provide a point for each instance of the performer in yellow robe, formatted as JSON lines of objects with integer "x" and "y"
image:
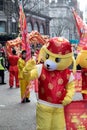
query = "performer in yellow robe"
{"x": 22, "y": 82}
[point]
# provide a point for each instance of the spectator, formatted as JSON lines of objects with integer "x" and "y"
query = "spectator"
{"x": 2, "y": 68}
{"x": 2, "y": 49}
{"x": 13, "y": 69}
{"x": 22, "y": 81}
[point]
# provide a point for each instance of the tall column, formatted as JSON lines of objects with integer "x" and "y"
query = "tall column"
{"x": 47, "y": 27}
{"x": 9, "y": 16}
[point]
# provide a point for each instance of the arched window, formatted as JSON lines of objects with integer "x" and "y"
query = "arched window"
{"x": 41, "y": 29}
{"x": 29, "y": 27}
{"x": 36, "y": 27}
{"x": 14, "y": 27}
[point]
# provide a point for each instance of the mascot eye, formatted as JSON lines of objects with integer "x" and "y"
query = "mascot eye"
{"x": 47, "y": 56}
{"x": 57, "y": 60}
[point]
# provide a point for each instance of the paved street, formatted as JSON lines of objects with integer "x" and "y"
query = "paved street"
{"x": 13, "y": 114}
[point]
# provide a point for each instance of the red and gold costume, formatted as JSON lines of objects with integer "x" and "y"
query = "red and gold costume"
{"x": 55, "y": 83}
{"x": 13, "y": 70}
{"x": 52, "y": 85}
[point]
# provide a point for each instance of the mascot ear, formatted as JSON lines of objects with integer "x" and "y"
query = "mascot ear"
{"x": 41, "y": 56}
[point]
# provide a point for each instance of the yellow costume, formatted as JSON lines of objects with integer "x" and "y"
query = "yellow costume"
{"x": 23, "y": 83}
{"x": 56, "y": 83}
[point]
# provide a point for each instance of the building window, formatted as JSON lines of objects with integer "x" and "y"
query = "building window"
{"x": 41, "y": 29}
{"x": 36, "y": 27}
{"x": 1, "y": 5}
{"x": 29, "y": 26}
{"x": 13, "y": 27}
{"x": 2, "y": 27}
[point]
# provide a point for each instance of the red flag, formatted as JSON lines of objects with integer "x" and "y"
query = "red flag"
{"x": 24, "y": 33}
{"x": 76, "y": 115}
{"x": 81, "y": 26}
{"x": 82, "y": 29}
{"x": 25, "y": 44}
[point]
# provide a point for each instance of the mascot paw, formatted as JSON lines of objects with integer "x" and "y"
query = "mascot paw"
{"x": 66, "y": 100}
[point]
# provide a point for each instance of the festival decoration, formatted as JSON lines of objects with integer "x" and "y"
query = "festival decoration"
{"x": 78, "y": 81}
{"x": 76, "y": 115}
{"x": 82, "y": 30}
{"x": 13, "y": 44}
{"x": 35, "y": 37}
{"x": 24, "y": 32}
{"x": 81, "y": 60}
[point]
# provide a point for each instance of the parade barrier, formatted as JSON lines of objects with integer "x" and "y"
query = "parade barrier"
{"x": 76, "y": 115}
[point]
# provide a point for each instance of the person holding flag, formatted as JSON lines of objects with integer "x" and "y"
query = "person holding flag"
{"x": 23, "y": 83}
{"x": 25, "y": 56}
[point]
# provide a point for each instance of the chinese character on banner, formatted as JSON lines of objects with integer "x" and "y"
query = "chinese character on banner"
{"x": 76, "y": 115}
{"x": 78, "y": 81}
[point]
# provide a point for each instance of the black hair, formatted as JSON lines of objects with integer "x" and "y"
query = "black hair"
{"x": 14, "y": 51}
{"x": 24, "y": 51}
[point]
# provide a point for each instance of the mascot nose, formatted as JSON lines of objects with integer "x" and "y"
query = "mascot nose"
{"x": 48, "y": 65}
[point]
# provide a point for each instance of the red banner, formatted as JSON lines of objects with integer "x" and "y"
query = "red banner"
{"x": 78, "y": 81}
{"x": 81, "y": 26}
{"x": 76, "y": 115}
{"x": 24, "y": 33}
{"x": 82, "y": 30}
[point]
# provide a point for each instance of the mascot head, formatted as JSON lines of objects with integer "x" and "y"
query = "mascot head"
{"x": 56, "y": 54}
{"x": 82, "y": 58}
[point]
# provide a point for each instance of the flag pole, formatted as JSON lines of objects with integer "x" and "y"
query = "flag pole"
{"x": 25, "y": 43}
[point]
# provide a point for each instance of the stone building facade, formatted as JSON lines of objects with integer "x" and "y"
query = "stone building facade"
{"x": 63, "y": 23}
{"x": 37, "y": 22}
{"x": 9, "y": 18}
{"x": 49, "y": 17}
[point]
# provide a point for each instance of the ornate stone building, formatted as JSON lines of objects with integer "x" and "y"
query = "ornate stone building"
{"x": 8, "y": 23}
{"x": 62, "y": 23}
{"x": 36, "y": 18}
{"x": 9, "y": 18}
{"x": 49, "y": 17}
